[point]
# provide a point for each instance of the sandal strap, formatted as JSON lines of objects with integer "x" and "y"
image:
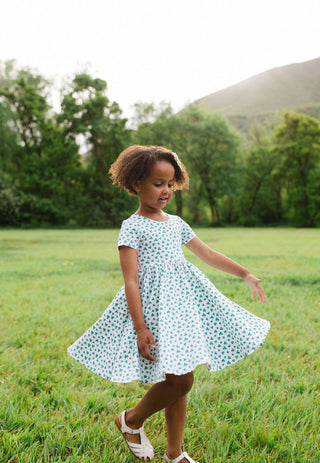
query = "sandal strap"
{"x": 144, "y": 450}
{"x": 179, "y": 458}
{"x": 125, "y": 427}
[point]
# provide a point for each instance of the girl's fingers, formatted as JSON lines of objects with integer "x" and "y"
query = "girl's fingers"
{"x": 143, "y": 346}
{"x": 147, "y": 355}
{"x": 253, "y": 284}
{"x": 262, "y": 295}
{"x": 151, "y": 341}
{"x": 152, "y": 344}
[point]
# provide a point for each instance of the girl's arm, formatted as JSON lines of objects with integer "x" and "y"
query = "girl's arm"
{"x": 221, "y": 262}
{"x": 129, "y": 265}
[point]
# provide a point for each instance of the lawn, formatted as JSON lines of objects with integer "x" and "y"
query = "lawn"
{"x": 56, "y": 283}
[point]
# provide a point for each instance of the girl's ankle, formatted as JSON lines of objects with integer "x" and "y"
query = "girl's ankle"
{"x": 172, "y": 454}
{"x": 131, "y": 422}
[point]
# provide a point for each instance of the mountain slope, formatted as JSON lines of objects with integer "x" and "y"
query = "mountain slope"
{"x": 286, "y": 87}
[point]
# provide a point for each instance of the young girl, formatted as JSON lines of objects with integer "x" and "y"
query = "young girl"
{"x": 168, "y": 317}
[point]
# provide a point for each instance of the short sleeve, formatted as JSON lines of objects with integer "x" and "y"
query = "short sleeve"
{"x": 186, "y": 233}
{"x": 128, "y": 235}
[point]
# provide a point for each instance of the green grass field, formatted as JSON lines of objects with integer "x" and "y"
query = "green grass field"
{"x": 56, "y": 283}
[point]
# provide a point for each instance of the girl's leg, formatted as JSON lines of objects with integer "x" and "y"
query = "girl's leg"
{"x": 159, "y": 396}
{"x": 175, "y": 418}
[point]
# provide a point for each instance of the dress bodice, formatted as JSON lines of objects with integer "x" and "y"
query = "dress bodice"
{"x": 157, "y": 243}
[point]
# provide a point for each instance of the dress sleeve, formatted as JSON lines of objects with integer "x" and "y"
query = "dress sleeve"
{"x": 128, "y": 236}
{"x": 186, "y": 233}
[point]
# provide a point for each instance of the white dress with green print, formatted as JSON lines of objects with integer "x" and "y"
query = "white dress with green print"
{"x": 192, "y": 323}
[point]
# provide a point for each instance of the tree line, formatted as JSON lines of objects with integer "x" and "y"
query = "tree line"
{"x": 270, "y": 177}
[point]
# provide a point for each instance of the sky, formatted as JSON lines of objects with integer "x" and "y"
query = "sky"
{"x": 158, "y": 50}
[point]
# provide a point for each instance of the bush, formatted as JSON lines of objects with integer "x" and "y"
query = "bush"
{"x": 10, "y": 201}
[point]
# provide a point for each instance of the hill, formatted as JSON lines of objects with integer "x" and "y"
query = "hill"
{"x": 294, "y": 86}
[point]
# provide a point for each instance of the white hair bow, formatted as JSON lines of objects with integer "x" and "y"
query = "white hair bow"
{"x": 177, "y": 159}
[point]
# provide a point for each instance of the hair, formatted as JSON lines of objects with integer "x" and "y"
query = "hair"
{"x": 134, "y": 163}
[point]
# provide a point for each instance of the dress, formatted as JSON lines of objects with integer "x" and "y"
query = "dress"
{"x": 192, "y": 323}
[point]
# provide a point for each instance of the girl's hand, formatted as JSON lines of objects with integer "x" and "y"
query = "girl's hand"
{"x": 253, "y": 284}
{"x": 145, "y": 339}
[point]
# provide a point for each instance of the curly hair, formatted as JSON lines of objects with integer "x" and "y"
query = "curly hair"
{"x": 133, "y": 166}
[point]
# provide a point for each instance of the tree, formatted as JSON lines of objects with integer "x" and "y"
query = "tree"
{"x": 9, "y": 145}
{"x": 148, "y": 113}
{"x": 10, "y": 200}
{"x": 207, "y": 146}
{"x": 46, "y": 165}
{"x": 260, "y": 191}
{"x": 298, "y": 147}
{"x": 88, "y": 112}
{"x": 211, "y": 147}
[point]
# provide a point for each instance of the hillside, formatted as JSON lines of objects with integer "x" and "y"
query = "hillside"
{"x": 287, "y": 87}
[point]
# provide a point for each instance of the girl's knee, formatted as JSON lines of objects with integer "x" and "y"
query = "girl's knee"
{"x": 183, "y": 383}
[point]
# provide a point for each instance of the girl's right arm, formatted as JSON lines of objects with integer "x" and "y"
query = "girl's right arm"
{"x": 129, "y": 265}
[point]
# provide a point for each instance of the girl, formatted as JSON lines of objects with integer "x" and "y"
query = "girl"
{"x": 168, "y": 317}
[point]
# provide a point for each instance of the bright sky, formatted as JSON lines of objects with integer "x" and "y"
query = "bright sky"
{"x": 153, "y": 50}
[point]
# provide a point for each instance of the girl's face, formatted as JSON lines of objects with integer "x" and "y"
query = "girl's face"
{"x": 155, "y": 191}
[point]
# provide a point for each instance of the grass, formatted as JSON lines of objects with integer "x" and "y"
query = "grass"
{"x": 56, "y": 283}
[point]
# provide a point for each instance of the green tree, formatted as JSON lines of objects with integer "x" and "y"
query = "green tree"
{"x": 10, "y": 200}
{"x": 46, "y": 164}
{"x": 9, "y": 145}
{"x": 145, "y": 114}
{"x": 260, "y": 197}
{"x": 298, "y": 147}
{"x": 88, "y": 115}
{"x": 207, "y": 146}
{"x": 211, "y": 146}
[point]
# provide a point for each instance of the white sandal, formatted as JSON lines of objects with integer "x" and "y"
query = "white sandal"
{"x": 144, "y": 450}
{"x": 179, "y": 458}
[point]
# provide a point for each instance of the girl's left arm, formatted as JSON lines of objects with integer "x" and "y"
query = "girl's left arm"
{"x": 221, "y": 262}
